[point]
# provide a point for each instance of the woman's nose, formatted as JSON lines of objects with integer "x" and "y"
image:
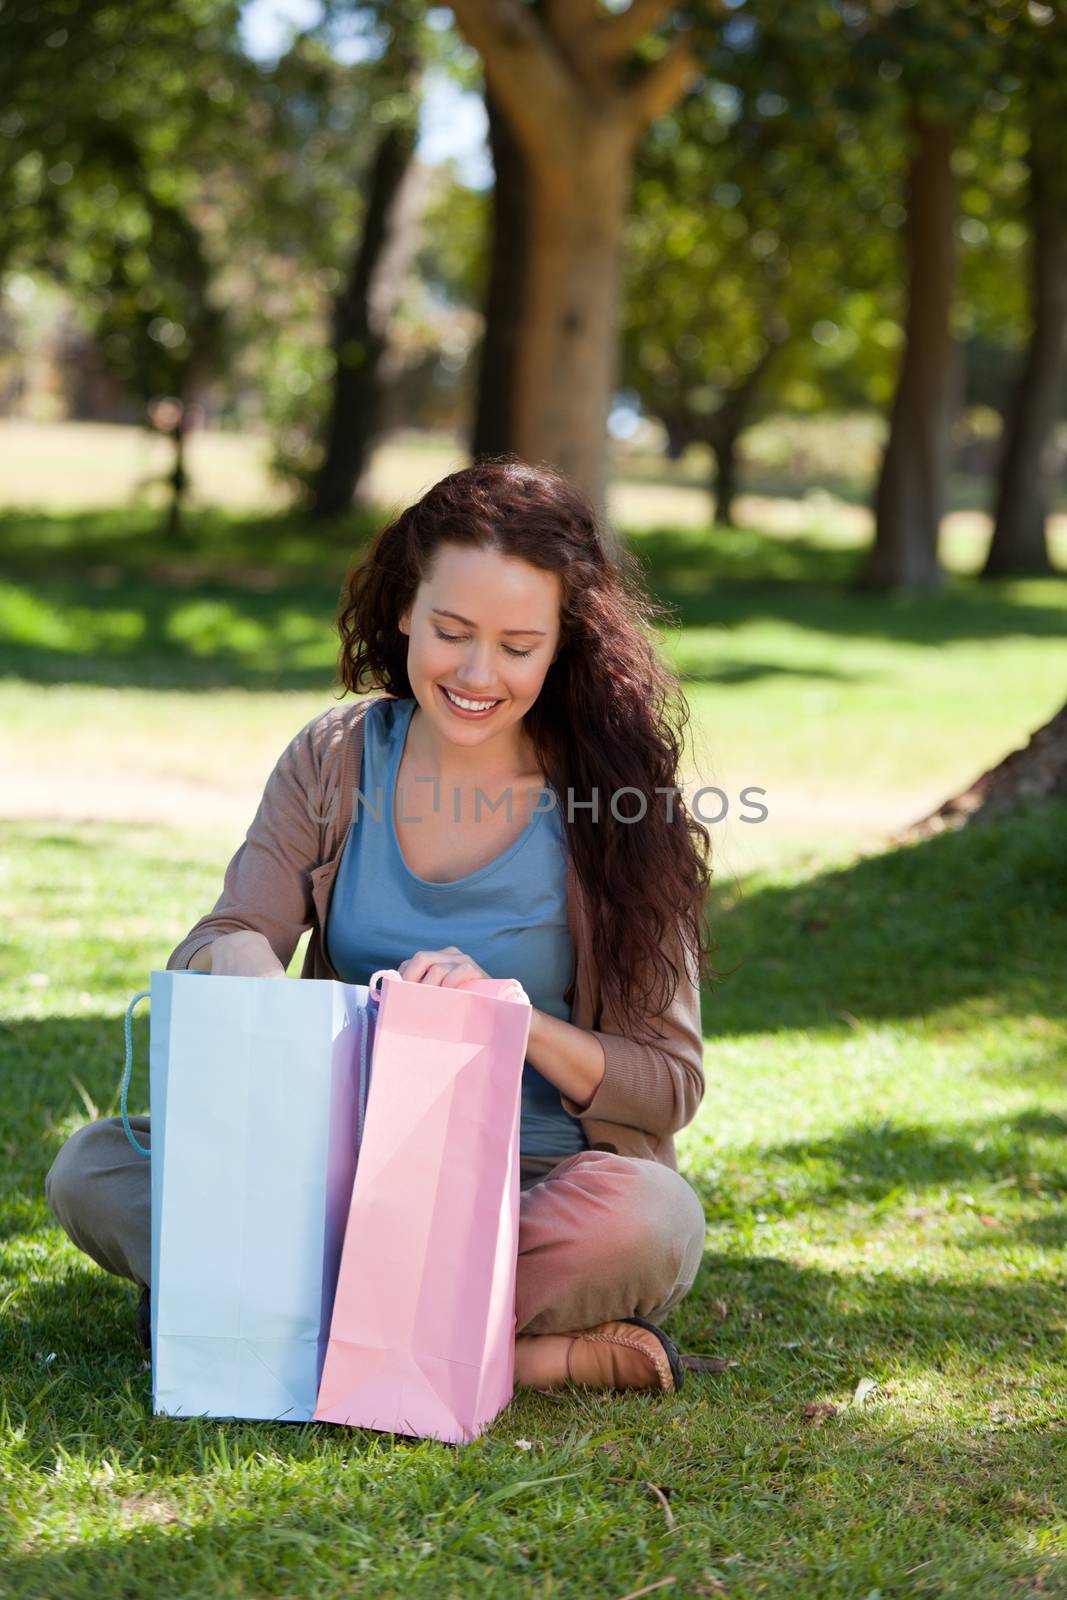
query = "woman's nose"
{"x": 476, "y": 669}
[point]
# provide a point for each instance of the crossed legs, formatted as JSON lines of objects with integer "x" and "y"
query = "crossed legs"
{"x": 601, "y": 1236}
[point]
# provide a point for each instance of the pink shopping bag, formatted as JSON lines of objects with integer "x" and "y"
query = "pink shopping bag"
{"x": 422, "y": 1336}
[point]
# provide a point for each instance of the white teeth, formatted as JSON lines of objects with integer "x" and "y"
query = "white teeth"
{"x": 469, "y": 705}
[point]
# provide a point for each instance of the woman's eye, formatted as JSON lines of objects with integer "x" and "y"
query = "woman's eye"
{"x": 456, "y": 638}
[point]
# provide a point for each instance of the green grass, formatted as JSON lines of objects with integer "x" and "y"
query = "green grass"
{"x": 881, "y": 1151}
{"x": 882, "y": 1159}
{"x": 794, "y": 680}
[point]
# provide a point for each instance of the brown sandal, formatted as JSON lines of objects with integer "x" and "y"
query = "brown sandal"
{"x": 630, "y": 1354}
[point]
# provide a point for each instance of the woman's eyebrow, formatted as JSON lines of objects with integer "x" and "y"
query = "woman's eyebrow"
{"x": 437, "y": 612}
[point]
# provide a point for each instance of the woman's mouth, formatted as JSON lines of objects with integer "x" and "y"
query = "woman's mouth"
{"x": 466, "y": 706}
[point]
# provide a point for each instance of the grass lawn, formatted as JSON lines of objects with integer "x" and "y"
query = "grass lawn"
{"x": 881, "y": 1151}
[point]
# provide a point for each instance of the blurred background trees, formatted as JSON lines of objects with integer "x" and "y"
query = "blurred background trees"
{"x": 702, "y": 217}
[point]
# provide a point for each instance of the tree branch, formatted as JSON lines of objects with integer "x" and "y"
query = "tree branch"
{"x": 526, "y": 72}
{"x": 662, "y": 85}
{"x": 570, "y": 19}
{"x": 574, "y": 26}
{"x": 617, "y": 35}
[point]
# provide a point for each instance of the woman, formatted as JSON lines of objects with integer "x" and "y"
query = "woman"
{"x": 506, "y": 806}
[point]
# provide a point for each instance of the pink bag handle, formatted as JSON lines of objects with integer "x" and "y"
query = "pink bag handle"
{"x": 495, "y": 988}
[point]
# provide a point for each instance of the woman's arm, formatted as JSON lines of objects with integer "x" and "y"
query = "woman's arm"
{"x": 572, "y": 1059}
{"x": 237, "y": 955}
{"x": 266, "y": 895}
{"x": 656, "y": 1087}
{"x": 601, "y": 1072}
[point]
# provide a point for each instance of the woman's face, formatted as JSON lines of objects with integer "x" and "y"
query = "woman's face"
{"x": 482, "y": 627}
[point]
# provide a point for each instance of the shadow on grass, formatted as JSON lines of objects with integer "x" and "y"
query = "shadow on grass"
{"x": 74, "y": 1372}
{"x": 102, "y": 598}
{"x": 842, "y": 1322}
{"x": 978, "y": 915}
{"x": 265, "y": 549}
{"x": 155, "y": 636}
{"x": 738, "y": 672}
{"x": 1044, "y": 1233}
{"x": 727, "y": 579}
{"x": 439, "y": 1538}
{"x": 877, "y": 1161}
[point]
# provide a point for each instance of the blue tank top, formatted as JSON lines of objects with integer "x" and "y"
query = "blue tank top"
{"x": 509, "y": 916}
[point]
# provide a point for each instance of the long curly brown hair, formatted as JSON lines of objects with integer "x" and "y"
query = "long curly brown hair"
{"x": 610, "y": 716}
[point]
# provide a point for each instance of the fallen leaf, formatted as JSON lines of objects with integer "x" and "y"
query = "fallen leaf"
{"x": 148, "y": 1508}
{"x": 706, "y": 1364}
{"x": 990, "y": 1222}
{"x": 865, "y": 1389}
{"x": 817, "y": 1411}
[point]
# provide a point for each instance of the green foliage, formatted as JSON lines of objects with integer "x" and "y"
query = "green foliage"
{"x": 107, "y": 111}
{"x": 763, "y": 266}
{"x": 201, "y": 209}
{"x": 750, "y": 247}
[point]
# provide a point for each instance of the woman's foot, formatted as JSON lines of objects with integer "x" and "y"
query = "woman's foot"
{"x": 632, "y": 1354}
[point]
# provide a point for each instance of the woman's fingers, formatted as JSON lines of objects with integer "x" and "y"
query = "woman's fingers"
{"x": 413, "y": 968}
{"x": 436, "y": 974}
{"x": 462, "y": 974}
{"x": 443, "y": 968}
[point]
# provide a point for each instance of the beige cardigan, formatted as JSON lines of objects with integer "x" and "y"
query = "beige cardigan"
{"x": 279, "y": 884}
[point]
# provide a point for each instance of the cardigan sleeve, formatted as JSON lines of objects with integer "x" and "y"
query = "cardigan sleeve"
{"x": 655, "y": 1087}
{"x": 267, "y": 887}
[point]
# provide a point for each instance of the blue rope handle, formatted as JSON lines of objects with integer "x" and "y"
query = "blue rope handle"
{"x": 370, "y": 1010}
{"x": 142, "y": 994}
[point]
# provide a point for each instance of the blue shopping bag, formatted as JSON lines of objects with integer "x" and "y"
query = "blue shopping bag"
{"x": 258, "y": 1087}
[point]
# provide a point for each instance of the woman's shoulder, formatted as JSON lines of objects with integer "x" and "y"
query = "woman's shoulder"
{"x": 331, "y": 731}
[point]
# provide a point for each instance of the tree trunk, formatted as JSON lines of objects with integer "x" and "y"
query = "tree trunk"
{"x": 565, "y": 75}
{"x": 567, "y": 339}
{"x": 728, "y": 423}
{"x": 724, "y": 488}
{"x": 362, "y": 315}
{"x": 1036, "y": 773}
{"x": 494, "y": 421}
{"x": 1019, "y": 545}
{"x": 679, "y": 434}
{"x": 178, "y": 479}
{"x": 911, "y": 487}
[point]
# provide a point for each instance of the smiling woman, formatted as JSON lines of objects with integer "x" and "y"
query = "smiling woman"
{"x": 508, "y": 655}
{"x": 493, "y": 666}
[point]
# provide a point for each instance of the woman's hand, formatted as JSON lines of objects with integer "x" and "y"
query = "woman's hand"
{"x": 446, "y": 968}
{"x": 244, "y": 955}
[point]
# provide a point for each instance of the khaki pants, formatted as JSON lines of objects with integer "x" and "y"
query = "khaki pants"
{"x": 600, "y": 1236}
